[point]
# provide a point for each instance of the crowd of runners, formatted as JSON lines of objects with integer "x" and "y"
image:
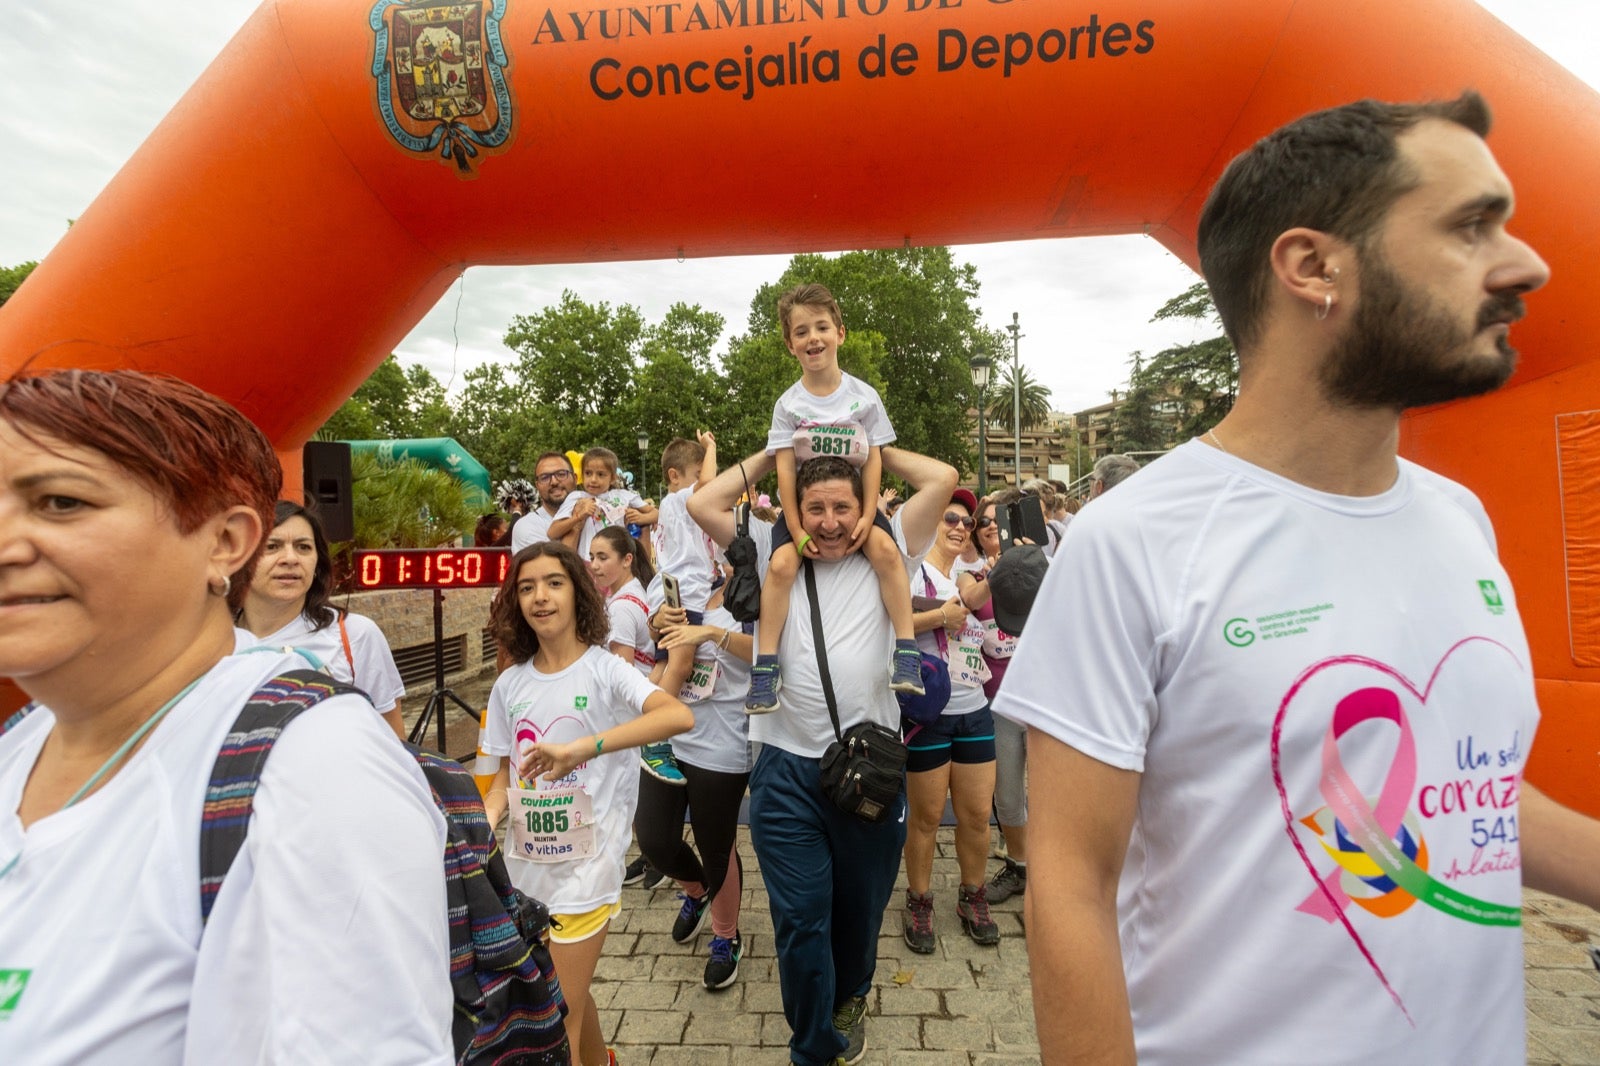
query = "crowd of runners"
{"x": 1229, "y": 854}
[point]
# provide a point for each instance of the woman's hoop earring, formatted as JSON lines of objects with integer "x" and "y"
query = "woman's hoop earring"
{"x": 1327, "y": 305}
{"x": 227, "y": 587}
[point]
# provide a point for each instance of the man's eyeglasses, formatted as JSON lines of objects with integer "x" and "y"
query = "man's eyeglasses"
{"x": 953, "y": 519}
{"x": 549, "y": 476}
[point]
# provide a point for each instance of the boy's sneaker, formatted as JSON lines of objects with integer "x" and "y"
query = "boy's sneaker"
{"x": 635, "y": 871}
{"x": 1012, "y": 880}
{"x": 850, "y": 1018}
{"x": 723, "y": 968}
{"x": 691, "y": 917}
{"x": 658, "y": 762}
{"x": 907, "y": 676}
{"x": 919, "y": 922}
{"x": 766, "y": 678}
{"x": 653, "y": 878}
{"x": 973, "y": 910}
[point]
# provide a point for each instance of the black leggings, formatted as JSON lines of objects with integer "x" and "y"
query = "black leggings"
{"x": 712, "y": 801}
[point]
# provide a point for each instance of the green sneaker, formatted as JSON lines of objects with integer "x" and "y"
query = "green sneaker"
{"x": 850, "y": 1018}
{"x": 658, "y": 761}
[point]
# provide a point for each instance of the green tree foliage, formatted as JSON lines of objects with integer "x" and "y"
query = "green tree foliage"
{"x": 1034, "y": 396}
{"x": 1203, "y": 377}
{"x": 394, "y": 403}
{"x": 11, "y": 277}
{"x": 1137, "y": 425}
{"x": 406, "y": 504}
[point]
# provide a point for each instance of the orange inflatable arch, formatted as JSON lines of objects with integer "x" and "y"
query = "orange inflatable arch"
{"x": 345, "y": 160}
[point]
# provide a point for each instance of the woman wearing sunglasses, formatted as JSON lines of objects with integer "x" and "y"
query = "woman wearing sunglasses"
{"x": 955, "y": 755}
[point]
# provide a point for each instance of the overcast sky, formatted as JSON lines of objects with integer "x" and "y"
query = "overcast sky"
{"x": 89, "y": 81}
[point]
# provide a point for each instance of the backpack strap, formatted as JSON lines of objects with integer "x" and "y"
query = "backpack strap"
{"x": 235, "y": 776}
{"x": 16, "y": 719}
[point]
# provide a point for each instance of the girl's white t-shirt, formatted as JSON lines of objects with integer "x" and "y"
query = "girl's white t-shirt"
{"x": 328, "y": 942}
{"x": 369, "y": 667}
{"x": 720, "y": 739}
{"x": 630, "y": 624}
{"x": 595, "y": 693}
{"x": 613, "y": 507}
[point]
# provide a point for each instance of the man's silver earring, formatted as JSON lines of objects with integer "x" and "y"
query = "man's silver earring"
{"x": 1327, "y": 305}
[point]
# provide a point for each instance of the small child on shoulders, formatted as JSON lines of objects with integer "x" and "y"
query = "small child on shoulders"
{"x": 827, "y": 412}
{"x": 604, "y": 501}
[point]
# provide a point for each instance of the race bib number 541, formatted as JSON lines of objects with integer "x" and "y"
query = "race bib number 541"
{"x": 551, "y": 825}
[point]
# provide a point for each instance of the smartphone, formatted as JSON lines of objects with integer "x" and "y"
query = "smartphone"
{"x": 741, "y": 515}
{"x": 1029, "y": 521}
{"x": 669, "y": 591}
{"x": 1003, "y": 524}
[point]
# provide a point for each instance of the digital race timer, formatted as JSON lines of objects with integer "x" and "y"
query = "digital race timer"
{"x": 431, "y": 568}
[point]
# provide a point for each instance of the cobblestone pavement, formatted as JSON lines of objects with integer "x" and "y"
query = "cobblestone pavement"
{"x": 964, "y": 1005}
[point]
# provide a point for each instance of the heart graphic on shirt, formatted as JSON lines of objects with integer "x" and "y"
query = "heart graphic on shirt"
{"x": 1376, "y": 842}
{"x": 528, "y": 733}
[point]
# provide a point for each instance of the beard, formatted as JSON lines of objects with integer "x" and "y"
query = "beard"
{"x": 1403, "y": 350}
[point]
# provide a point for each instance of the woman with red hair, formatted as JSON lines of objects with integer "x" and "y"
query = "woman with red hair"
{"x": 132, "y": 508}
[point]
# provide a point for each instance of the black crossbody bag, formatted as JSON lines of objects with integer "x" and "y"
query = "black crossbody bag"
{"x": 864, "y": 768}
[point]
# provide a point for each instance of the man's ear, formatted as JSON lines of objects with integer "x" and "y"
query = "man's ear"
{"x": 1307, "y": 265}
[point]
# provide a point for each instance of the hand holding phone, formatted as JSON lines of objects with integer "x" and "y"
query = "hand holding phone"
{"x": 669, "y": 591}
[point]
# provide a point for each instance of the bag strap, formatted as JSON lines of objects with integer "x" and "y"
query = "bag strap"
{"x": 741, "y": 524}
{"x": 939, "y": 637}
{"x": 822, "y": 651}
{"x": 235, "y": 776}
{"x": 344, "y": 638}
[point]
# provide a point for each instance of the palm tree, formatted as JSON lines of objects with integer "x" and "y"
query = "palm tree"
{"x": 1035, "y": 399}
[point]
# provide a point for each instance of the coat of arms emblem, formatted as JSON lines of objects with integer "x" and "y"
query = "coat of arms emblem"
{"x": 440, "y": 69}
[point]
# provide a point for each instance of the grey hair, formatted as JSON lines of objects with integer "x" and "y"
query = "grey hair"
{"x": 1113, "y": 470}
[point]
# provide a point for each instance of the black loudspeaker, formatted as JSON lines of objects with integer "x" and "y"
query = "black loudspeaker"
{"x": 326, "y": 468}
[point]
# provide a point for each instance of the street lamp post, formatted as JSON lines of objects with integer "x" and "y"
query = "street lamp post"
{"x": 644, "y": 449}
{"x": 1015, "y": 329}
{"x": 980, "y": 381}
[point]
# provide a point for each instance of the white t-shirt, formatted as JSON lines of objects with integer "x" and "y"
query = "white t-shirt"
{"x": 613, "y": 509}
{"x": 590, "y": 696}
{"x": 964, "y": 699}
{"x": 860, "y": 645}
{"x": 369, "y": 665}
{"x": 535, "y": 525}
{"x": 1267, "y": 655}
{"x": 630, "y": 624}
{"x": 684, "y": 551}
{"x": 847, "y": 422}
{"x": 328, "y": 942}
{"x": 720, "y": 739}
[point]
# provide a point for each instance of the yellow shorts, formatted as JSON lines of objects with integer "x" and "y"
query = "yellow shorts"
{"x": 576, "y": 927}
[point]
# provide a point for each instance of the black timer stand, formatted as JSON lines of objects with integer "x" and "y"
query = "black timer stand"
{"x": 441, "y": 692}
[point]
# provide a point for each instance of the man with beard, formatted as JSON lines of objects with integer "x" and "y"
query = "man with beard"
{"x": 1302, "y": 700}
{"x": 553, "y": 476}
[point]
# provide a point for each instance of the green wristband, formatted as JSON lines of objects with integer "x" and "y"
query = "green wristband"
{"x": 800, "y": 545}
